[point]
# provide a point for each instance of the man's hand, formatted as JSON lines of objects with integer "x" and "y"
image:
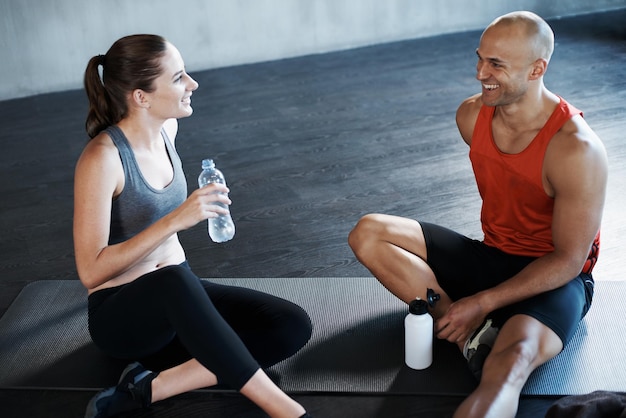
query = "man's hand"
{"x": 462, "y": 318}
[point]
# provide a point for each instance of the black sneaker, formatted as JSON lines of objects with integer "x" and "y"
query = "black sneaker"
{"x": 478, "y": 347}
{"x": 132, "y": 374}
{"x": 133, "y": 391}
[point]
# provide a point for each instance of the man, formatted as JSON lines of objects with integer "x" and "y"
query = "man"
{"x": 513, "y": 300}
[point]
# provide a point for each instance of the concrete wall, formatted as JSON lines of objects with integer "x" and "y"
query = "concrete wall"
{"x": 45, "y": 44}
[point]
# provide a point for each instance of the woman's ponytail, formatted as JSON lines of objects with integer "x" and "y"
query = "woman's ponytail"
{"x": 99, "y": 115}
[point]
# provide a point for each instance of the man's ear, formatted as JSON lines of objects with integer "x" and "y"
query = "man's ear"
{"x": 539, "y": 68}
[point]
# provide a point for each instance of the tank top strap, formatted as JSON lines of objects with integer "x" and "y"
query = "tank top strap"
{"x": 131, "y": 170}
{"x": 561, "y": 114}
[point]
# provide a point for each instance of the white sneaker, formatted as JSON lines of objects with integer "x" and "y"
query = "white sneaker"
{"x": 478, "y": 347}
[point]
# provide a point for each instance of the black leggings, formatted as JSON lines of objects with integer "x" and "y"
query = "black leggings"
{"x": 169, "y": 316}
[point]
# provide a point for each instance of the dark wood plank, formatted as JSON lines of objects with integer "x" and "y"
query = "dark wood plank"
{"x": 308, "y": 145}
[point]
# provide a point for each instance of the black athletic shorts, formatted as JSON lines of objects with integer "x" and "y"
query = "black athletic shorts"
{"x": 465, "y": 266}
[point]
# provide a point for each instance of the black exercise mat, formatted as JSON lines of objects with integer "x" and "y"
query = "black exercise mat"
{"x": 357, "y": 343}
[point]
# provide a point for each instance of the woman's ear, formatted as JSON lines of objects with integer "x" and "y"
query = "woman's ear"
{"x": 140, "y": 99}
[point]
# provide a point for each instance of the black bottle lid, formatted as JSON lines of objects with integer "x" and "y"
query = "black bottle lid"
{"x": 418, "y": 307}
{"x": 432, "y": 297}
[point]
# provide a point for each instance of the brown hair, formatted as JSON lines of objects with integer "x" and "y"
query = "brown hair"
{"x": 132, "y": 62}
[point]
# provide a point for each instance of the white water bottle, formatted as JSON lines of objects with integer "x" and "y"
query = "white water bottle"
{"x": 222, "y": 228}
{"x": 418, "y": 336}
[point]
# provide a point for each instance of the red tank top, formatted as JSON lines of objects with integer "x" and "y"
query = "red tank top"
{"x": 516, "y": 213}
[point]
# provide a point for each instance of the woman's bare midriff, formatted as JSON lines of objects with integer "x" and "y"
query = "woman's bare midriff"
{"x": 168, "y": 254}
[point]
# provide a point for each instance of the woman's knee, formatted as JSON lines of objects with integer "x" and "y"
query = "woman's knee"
{"x": 299, "y": 328}
{"x": 290, "y": 331}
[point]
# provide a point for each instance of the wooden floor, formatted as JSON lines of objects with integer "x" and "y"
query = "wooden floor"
{"x": 308, "y": 145}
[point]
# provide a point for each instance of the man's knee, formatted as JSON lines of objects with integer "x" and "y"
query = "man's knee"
{"x": 523, "y": 344}
{"x": 511, "y": 364}
{"x": 366, "y": 228}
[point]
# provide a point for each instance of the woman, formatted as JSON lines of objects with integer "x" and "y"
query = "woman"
{"x": 145, "y": 304}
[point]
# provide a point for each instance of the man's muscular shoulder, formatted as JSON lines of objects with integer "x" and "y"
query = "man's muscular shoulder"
{"x": 466, "y": 116}
{"x": 574, "y": 146}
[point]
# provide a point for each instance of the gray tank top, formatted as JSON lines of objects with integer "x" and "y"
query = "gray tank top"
{"x": 140, "y": 205}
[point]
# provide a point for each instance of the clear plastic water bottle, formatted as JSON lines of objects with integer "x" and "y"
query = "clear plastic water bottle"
{"x": 222, "y": 228}
{"x": 418, "y": 336}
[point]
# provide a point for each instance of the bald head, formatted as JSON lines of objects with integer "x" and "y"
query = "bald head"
{"x": 533, "y": 28}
